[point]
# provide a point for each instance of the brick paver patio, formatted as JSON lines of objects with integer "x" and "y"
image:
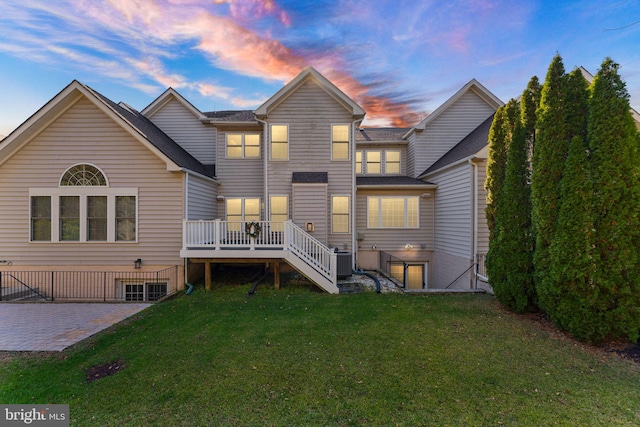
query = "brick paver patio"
{"x": 56, "y": 326}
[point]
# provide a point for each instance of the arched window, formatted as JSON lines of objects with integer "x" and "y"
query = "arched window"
{"x": 83, "y": 175}
{"x": 83, "y": 208}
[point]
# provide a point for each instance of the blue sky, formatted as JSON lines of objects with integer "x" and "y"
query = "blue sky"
{"x": 398, "y": 59}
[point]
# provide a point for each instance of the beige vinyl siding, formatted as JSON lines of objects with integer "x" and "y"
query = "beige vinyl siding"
{"x": 239, "y": 177}
{"x": 449, "y": 270}
{"x": 310, "y": 112}
{"x": 394, "y": 239}
{"x": 410, "y": 168}
{"x": 310, "y": 204}
{"x": 483, "y": 229}
{"x": 187, "y": 130}
{"x": 453, "y": 213}
{"x": 84, "y": 134}
{"x": 201, "y": 196}
{"x": 449, "y": 128}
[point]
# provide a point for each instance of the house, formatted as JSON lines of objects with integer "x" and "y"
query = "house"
{"x": 138, "y": 198}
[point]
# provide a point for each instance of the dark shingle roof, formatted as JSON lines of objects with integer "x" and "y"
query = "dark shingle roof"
{"x": 310, "y": 178}
{"x": 231, "y": 116}
{"x": 470, "y": 145}
{"x": 381, "y": 134}
{"x": 389, "y": 180}
{"x": 158, "y": 138}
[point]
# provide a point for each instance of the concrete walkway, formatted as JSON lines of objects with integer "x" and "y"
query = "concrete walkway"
{"x": 56, "y": 326}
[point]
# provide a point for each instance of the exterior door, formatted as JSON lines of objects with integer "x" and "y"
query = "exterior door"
{"x": 415, "y": 276}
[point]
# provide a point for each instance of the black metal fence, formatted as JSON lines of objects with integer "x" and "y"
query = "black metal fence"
{"x": 393, "y": 267}
{"x": 88, "y": 285}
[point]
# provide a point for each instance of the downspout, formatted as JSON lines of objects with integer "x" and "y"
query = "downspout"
{"x": 354, "y": 231}
{"x": 186, "y": 216}
{"x": 267, "y": 208}
{"x": 474, "y": 207}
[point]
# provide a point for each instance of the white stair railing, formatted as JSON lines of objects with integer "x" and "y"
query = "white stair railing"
{"x": 311, "y": 250}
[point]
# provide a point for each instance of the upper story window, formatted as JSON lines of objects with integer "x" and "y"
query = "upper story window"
{"x": 340, "y": 142}
{"x": 358, "y": 161}
{"x": 374, "y": 165}
{"x": 370, "y": 162}
{"x": 279, "y": 142}
{"x": 392, "y": 212}
{"x": 391, "y": 162}
{"x": 83, "y": 175}
{"x": 83, "y": 209}
{"x": 243, "y": 146}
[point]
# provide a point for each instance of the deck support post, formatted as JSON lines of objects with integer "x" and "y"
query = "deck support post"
{"x": 276, "y": 274}
{"x": 207, "y": 275}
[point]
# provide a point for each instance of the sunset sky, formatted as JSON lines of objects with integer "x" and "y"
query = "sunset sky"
{"x": 398, "y": 59}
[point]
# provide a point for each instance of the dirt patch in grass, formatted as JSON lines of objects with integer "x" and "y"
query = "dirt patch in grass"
{"x": 100, "y": 371}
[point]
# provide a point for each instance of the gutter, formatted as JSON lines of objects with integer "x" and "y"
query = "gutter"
{"x": 199, "y": 175}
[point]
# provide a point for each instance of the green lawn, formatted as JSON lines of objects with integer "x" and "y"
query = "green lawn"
{"x": 294, "y": 357}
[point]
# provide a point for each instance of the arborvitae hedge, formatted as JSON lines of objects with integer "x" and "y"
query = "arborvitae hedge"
{"x": 549, "y": 155}
{"x": 510, "y": 257}
{"x": 499, "y": 135}
{"x": 565, "y": 298}
{"x": 614, "y": 298}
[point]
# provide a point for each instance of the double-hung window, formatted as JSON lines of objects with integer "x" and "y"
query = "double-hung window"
{"x": 279, "y": 211}
{"x": 340, "y": 214}
{"x": 279, "y": 142}
{"x": 241, "y": 209}
{"x": 83, "y": 209}
{"x": 391, "y": 162}
{"x": 358, "y": 161}
{"x": 243, "y": 146}
{"x": 374, "y": 162}
{"x": 340, "y": 142}
{"x": 392, "y": 212}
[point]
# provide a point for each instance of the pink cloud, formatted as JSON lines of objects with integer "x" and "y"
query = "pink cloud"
{"x": 249, "y": 10}
{"x": 151, "y": 27}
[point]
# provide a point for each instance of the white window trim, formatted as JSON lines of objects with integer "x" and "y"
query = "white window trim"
{"x": 83, "y": 192}
{"x": 271, "y": 125}
{"x": 144, "y": 283}
{"x": 242, "y": 206}
{"x": 243, "y": 134}
{"x": 349, "y": 213}
{"x": 399, "y": 162}
{"x": 406, "y": 213}
{"x": 271, "y": 206}
{"x": 106, "y": 179}
{"x": 348, "y": 158}
{"x": 365, "y": 162}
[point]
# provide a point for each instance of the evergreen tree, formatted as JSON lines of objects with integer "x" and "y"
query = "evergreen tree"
{"x": 571, "y": 253}
{"x": 510, "y": 258}
{"x": 496, "y": 164}
{"x": 529, "y": 104}
{"x": 549, "y": 156}
{"x": 613, "y": 140}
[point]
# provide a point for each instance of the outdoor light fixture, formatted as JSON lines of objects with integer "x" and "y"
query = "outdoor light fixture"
{"x": 408, "y": 246}
{"x": 310, "y": 227}
{"x": 137, "y": 263}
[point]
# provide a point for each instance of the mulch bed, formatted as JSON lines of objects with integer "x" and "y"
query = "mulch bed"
{"x": 100, "y": 371}
{"x": 622, "y": 349}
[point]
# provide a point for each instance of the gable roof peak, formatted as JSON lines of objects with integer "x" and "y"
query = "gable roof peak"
{"x": 310, "y": 73}
{"x": 170, "y": 93}
{"x": 472, "y": 86}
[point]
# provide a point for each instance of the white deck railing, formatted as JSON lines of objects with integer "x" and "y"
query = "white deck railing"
{"x": 219, "y": 235}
